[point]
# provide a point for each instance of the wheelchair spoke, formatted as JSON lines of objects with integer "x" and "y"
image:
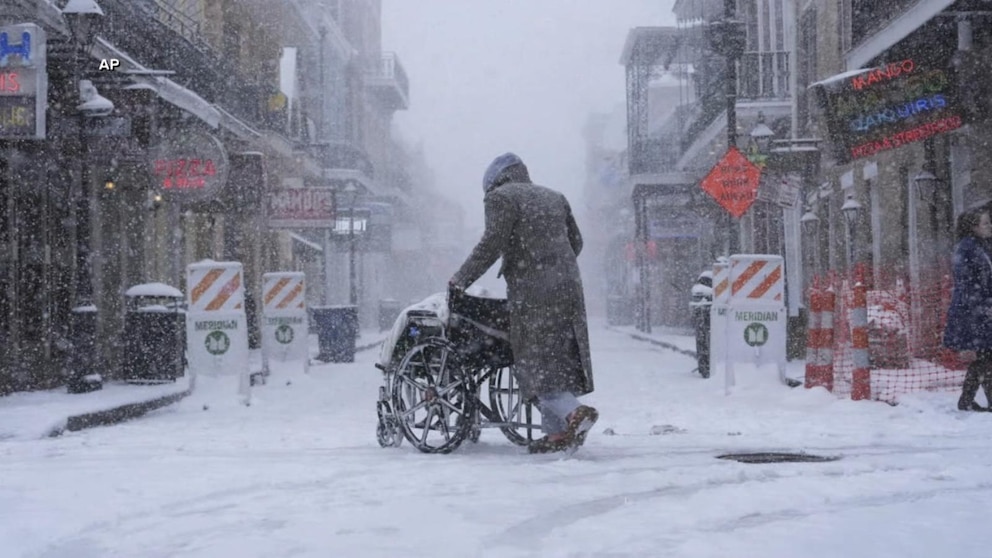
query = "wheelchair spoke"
{"x": 428, "y": 424}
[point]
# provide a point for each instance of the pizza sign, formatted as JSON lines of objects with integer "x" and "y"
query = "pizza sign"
{"x": 189, "y": 164}
{"x": 178, "y": 174}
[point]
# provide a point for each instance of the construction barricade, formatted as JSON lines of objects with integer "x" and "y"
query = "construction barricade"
{"x": 216, "y": 325}
{"x": 285, "y": 325}
{"x": 756, "y": 316}
{"x": 718, "y": 316}
{"x": 820, "y": 335}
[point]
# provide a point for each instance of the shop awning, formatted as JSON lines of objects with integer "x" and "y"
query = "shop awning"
{"x": 174, "y": 93}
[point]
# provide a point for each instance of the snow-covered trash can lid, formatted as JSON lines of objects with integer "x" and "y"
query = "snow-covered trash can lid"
{"x": 154, "y": 290}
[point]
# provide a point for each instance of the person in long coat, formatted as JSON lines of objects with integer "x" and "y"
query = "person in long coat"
{"x": 969, "y": 317}
{"x": 532, "y": 228}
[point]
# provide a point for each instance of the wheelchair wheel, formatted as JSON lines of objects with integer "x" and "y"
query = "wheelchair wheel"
{"x": 523, "y": 419}
{"x": 430, "y": 398}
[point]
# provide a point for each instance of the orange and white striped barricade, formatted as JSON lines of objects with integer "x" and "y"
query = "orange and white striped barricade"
{"x": 861, "y": 376}
{"x": 756, "y": 315}
{"x": 216, "y": 325}
{"x": 285, "y": 327}
{"x": 819, "y": 339}
{"x": 718, "y": 316}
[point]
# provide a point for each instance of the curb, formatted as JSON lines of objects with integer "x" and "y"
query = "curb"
{"x": 664, "y": 344}
{"x": 791, "y": 382}
{"x": 119, "y": 414}
{"x": 367, "y": 346}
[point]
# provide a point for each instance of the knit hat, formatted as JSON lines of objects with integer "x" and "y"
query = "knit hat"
{"x": 498, "y": 167}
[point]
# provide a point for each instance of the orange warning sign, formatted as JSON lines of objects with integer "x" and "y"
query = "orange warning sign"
{"x": 733, "y": 182}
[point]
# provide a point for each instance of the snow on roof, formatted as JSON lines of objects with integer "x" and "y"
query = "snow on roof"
{"x": 841, "y": 77}
{"x": 166, "y": 88}
{"x": 305, "y": 242}
{"x": 154, "y": 289}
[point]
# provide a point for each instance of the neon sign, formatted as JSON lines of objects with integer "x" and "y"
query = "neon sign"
{"x": 23, "y": 82}
{"x": 10, "y": 83}
{"x": 21, "y": 50}
{"x": 184, "y": 173}
{"x": 189, "y": 164}
{"x": 884, "y": 108}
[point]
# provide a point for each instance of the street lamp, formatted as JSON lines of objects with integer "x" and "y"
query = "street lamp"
{"x": 926, "y": 186}
{"x": 852, "y": 213}
{"x": 352, "y": 193}
{"x": 84, "y": 17}
{"x": 762, "y": 136}
{"x": 809, "y": 221}
{"x": 810, "y": 224}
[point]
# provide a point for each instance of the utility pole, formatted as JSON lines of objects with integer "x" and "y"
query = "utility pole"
{"x": 728, "y": 38}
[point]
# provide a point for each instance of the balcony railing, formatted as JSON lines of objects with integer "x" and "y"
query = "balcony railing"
{"x": 183, "y": 24}
{"x": 763, "y": 75}
{"x": 651, "y": 155}
{"x": 388, "y": 78}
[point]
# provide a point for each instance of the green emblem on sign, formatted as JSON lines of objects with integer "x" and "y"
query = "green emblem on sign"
{"x": 755, "y": 334}
{"x": 284, "y": 334}
{"x": 217, "y": 342}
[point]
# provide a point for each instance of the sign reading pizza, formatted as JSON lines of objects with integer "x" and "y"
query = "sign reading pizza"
{"x": 733, "y": 182}
{"x": 189, "y": 164}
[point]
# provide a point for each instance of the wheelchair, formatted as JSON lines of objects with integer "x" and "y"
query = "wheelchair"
{"x": 446, "y": 380}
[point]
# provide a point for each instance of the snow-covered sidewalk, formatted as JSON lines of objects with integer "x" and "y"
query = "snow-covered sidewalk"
{"x": 677, "y": 339}
{"x": 39, "y": 414}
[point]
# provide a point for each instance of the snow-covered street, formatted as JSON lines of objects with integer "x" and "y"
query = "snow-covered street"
{"x": 299, "y": 473}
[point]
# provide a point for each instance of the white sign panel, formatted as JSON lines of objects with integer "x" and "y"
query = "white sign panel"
{"x": 285, "y": 326}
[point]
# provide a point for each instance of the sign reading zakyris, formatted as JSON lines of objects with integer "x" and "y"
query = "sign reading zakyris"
{"x": 883, "y": 108}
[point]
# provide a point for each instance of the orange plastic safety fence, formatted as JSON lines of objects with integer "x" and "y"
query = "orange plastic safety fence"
{"x": 905, "y": 325}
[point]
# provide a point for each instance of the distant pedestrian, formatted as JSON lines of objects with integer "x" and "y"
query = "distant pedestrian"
{"x": 969, "y": 318}
{"x": 532, "y": 228}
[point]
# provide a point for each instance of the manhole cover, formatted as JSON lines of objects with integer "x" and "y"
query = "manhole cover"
{"x": 778, "y": 457}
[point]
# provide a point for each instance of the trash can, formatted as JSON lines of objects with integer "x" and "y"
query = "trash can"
{"x": 154, "y": 334}
{"x": 389, "y": 310}
{"x": 700, "y": 303}
{"x": 337, "y": 331}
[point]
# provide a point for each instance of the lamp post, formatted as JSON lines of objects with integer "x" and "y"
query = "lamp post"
{"x": 728, "y": 38}
{"x": 810, "y": 224}
{"x": 852, "y": 213}
{"x": 84, "y": 18}
{"x": 352, "y": 192}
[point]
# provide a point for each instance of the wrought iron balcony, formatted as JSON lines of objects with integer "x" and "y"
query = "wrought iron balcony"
{"x": 651, "y": 155}
{"x": 763, "y": 75}
{"x": 388, "y": 82}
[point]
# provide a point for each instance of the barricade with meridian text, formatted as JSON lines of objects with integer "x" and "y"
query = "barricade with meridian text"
{"x": 216, "y": 325}
{"x": 285, "y": 326}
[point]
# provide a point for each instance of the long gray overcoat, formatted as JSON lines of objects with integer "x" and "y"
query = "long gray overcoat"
{"x": 532, "y": 228}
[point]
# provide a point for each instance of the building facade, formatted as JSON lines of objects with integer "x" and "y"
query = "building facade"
{"x": 172, "y": 128}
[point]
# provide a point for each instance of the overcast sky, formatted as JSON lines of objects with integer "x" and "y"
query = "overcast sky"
{"x": 490, "y": 76}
